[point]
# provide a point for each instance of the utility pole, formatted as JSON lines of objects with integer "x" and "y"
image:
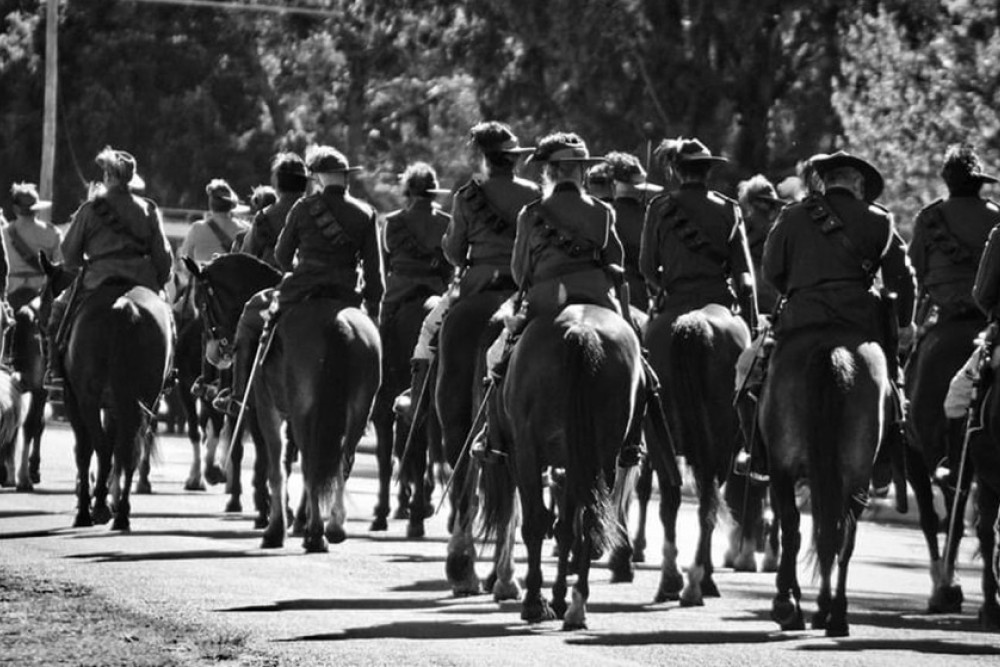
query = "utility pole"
{"x": 51, "y": 85}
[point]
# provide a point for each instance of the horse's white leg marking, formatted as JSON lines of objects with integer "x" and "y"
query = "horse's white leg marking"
{"x": 576, "y": 615}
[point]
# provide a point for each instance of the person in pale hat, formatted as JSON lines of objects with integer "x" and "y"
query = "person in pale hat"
{"x": 760, "y": 204}
{"x": 290, "y": 180}
{"x": 694, "y": 248}
{"x": 218, "y": 231}
{"x": 118, "y": 236}
{"x": 23, "y": 239}
{"x": 632, "y": 194}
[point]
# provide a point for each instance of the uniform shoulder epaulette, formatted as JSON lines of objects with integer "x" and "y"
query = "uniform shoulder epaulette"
{"x": 394, "y": 214}
{"x": 363, "y": 206}
{"x": 992, "y": 206}
{"x": 470, "y": 187}
{"x": 525, "y": 183}
{"x": 659, "y": 200}
{"x": 878, "y": 209}
{"x": 934, "y": 204}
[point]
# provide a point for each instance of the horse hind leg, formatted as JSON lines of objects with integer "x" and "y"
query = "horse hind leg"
{"x": 563, "y": 530}
{"x": 919, "y": 478}
{"x": 233, "y": 454}
{"x": 576, "y": 615}
{"x": 643, "y": 492}
{"x": 786, "y": 608}
{"x": 334, "y": 530}
{"x": 989, "y": 612}
{"x": 700, "y": 583}
{"x": 536, "y": 522}
{"x": 382, "y": 418}
{"x": 194, "y": 481}
{"x": 671, "y": 581}
{"x": 460, "y": 566}
{"x": 101, "y": 514}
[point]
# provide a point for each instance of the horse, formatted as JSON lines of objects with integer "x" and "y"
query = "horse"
{"x": 984, "y": 452}
{"x": 320, "y": 375}
{"x": 573, "y": 395}
{"x": 118, "y": 356}
{"x": 219, "y": 305}
{"x": 399, "y": 335}
{"x": 11, "y": 413}
{"x": 27, "y": 360}
{"x": 467, "y": 331}
{"x": 695, "y": 353}
{"x": 933, "y": 437}
{"x": 824, "y": 412}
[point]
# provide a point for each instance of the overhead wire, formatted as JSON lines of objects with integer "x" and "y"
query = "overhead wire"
{"x": 244, "y": 6}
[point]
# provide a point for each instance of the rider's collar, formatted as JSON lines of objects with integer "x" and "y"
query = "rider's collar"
{"x": 566, "y": 186}
{"x": 336, "y": 190}
{"x": 695, "y": 187}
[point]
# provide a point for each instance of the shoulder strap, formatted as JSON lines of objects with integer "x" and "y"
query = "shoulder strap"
{"x": 224, "y": 239}
{"x": 832, "y": 226}
{"x": 942, "y": 238}
{"x": 676, "y": 218}
{"x": 328, "y": 225}
{"x": 556, "y": 234}
{"x": 484, "y": 209}
{"x": 410, "y": 242}
{"x": 22, "y": 248}
{"x": 107, "y": 213}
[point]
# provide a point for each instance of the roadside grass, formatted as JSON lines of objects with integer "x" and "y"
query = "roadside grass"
{"x": 45, "y": 621}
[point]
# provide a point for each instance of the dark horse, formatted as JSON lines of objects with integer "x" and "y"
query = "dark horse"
{"x": 119, "y": 354}
{"x": 933, "y": 437}
{"x": 399, "y": 335}
{"x": 27, "y": 359}
{"x": 219, "y": 305}
{"x": 696, "y": 355}
{"x": 984, "y": 452}
{"x": 320, "y": 375}
{"x": 573, "y": 395}
{"x": 467, "y": 331}
{"x": 823, "y": 416}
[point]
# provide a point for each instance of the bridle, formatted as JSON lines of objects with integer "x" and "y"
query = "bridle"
{"x": 207, "y": 307}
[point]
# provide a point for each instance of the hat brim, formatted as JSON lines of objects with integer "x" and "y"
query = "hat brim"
{"x": 874, "y": 183}
{"x": 768, "y": 199}
{"x": 520, "y": 150}
{"x": 717, "y": 159}
{"x": 647, "y": 187}
{"x": 240, "y": 209}
{"x": 986, "y": 178}
{"x": 595, "y": 159}
{"x": 339, "y": 170}
{"x": 137, "y": 182}
{"x": 40, "y": 205}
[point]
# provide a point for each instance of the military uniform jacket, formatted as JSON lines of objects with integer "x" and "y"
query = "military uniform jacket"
{"x": 693, "y": 243}
{"x": 564, "y": 242}
{"x": 480, "y": 237}
{"x": 413, "y": 251}
{"x": 827, "y": 283}
{"x": 986, "y": 290}
{"x": 630, "y": 214}
{"x": 757, "y": 226}
{"x": 266, "y": 227}
{"x": 324, "y": 238}
{"x": 118, "y": 236}
{"x": 26, "y": 275}
{"x": 948, "y": 241}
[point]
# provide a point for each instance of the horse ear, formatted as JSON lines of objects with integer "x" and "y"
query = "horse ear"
{"x": 47, "y": 266}
{"x": 192, "y": 266}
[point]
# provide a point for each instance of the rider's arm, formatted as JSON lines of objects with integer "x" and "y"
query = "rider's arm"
{"x": 160, "y": 253}
{"x": 649, "y": 249}
{"x": 897, "y": 275}
{"x": 613, "y": 252}
{"x": 72, "y": 244}
{"x": 371, "y": 259}
{"x": 288, "y": 240}
{"x": 775, "y": 262}
{"x": 520, "y": 266}
{"x": 987, "y": 288}
{"x": 741, "y": 271}
{"x": 917, "y": 249}
{"x": 455, "y": 242}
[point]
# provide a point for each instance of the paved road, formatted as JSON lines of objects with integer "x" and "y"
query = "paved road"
{"x": 381, "y": 599}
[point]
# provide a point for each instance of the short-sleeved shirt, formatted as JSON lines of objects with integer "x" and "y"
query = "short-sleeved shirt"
{"x": 35, "y": 236}
{"x": 263, "y": 234}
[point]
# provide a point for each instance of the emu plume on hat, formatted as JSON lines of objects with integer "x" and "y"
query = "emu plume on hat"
{"x": 563, "y": 147}
{"x": 686, "y": 151}
{"x": 494, "y": 137}
{"x": 758, "y": 188}
{"x": 222, "y": 197}
{"x": 327, "y": 160}
{"x": 962, "y": 166}
{"x": 121, "y": 165}
{"x": 874, "y": 183}
{"x": 420, "y": 180}
{"x": 626, "y": 168}
{"x": 25, "y": 196}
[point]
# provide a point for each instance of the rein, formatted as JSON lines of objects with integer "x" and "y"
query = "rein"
{"x": 212, "y": 325}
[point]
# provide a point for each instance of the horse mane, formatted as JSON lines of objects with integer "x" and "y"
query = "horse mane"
{"x": 238, "y": 269}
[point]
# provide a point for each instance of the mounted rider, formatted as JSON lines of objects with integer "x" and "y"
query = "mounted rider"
{"x": 760, "y": 205}
{"x": 632, "y": 194}
{"x": 289, "y": 178}
{"x": 115, "y": 237}
{"x": 480, "y": 238}
{"x": 326, "y": 235}
{"x": 824, "y": 255}
{"x": 23, "y": 239}
{"x": 694, "y": 247}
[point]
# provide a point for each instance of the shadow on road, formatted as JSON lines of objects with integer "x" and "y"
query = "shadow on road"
{"x": 28, "y": 534}
{"x": 338, "y": 604}
{"x": 425, "y": 630}
{"x": 194, "y": 554}
{"x": 930, "y": 646}
{"x": 879, "y": 614}
{"x": 667, "y": 637}
{"x": 247, "y": 534}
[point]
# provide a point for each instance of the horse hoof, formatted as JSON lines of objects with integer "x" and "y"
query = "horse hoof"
{"x": 194, "y": 485}
{"x": 744, "y": 563}
{"x": 506, "y": 590}
{"x": 670, "y": 588}
{"x": 537, "y": 612}
{"x": 336, "y": 534}
{"x": 234, "y": 506}
{"x": 691, "y": 599}
{"x": 121, "y": 524}
{"x": 143, "y": 487}
{"x": 460, "y": 569}
{"x": 638, "y": 555}
{"x": 989, "y": 617}
{"x": 787, "y": 614}
{"x": 838, "y": 629}
{"x": 83, "y": 520}
{"x": 272, "y": 541}
{"x": 946, "y": 600}
{"x": 490, "y": 582}
{"x": 298, "y": 528}
{"x": 415, "y": 530}
{"x": 214, "y": 475}
{"x": 260, "y": 522}
{"x": 574, "y": 625}
{"x": 559, "y": 608}
{"x": 315, "y": 544}
{"x": 820, "y": 620}
{"x": 379, "y": 524}
{"x": 100, "y": 515}
{"x": 621, "y": 568}
{"x": 25, "y": 487}
{"x": 401, "y": 513}
{"x": 709, "y": 589}
{"x": 34, "y": 475}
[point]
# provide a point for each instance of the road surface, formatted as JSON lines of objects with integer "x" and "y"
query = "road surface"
{"x": 189, "y": 585}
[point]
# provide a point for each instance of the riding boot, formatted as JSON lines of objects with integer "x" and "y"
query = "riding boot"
{"x": 54, "y": 371}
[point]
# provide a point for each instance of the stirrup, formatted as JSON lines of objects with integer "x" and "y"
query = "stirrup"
{"x": 743, "y": 466}
{"x": 481, "y": 451}
{"x": 227, "y": 404}
{"x": 198, "y": 387}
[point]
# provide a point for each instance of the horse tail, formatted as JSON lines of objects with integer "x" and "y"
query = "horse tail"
{"x": 692, "y": 346}
{"x": 134, "y": 416}
{"x": 329, "y": 424}
{"x": 586, "y": 483}
{"x": 830, "y": 373}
